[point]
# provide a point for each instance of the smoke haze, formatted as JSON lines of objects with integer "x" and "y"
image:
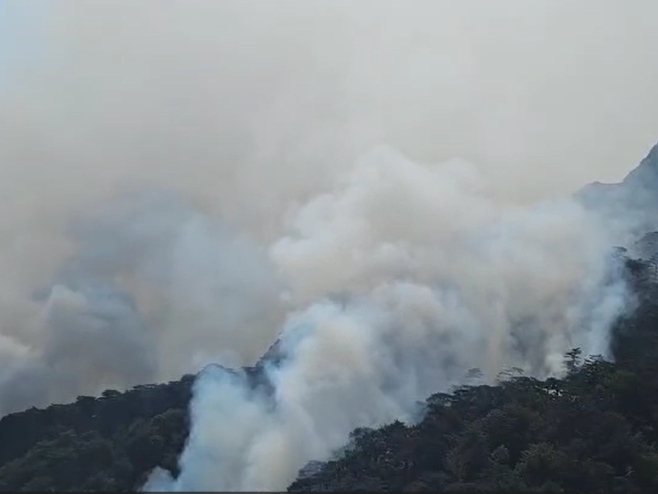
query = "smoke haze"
{"x": 386, "y": 185}
{"x": 433, "y": 279}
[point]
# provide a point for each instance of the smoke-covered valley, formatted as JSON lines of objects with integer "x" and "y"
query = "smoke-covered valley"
{"x": 383, "y": 191}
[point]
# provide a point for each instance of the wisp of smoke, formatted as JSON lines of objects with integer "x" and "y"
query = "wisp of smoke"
{"x": 435, "y": 279}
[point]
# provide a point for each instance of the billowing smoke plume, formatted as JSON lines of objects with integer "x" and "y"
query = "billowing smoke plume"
{"x": 184, "y": 185}
{"x": 434, "y": 279}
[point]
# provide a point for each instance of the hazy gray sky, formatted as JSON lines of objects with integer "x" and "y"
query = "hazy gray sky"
{"x": 543, "y": 96}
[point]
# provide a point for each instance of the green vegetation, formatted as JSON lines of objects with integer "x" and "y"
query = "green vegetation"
{"x": 593, "y": 431}
{"x": 95, "y": 444}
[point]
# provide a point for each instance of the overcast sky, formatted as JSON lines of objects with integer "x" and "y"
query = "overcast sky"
{"x": 249, "y": 105}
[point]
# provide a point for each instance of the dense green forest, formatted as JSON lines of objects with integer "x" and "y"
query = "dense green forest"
{"x": 106, "y": 443}
{"x": 593, "y": 431}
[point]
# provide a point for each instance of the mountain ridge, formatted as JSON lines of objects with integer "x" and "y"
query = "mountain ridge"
{"x": 634, "y": 199}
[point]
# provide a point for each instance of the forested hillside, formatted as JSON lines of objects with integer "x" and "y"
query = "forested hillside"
{"x": 593, "y": 431}
{"x": 106, "y": 443}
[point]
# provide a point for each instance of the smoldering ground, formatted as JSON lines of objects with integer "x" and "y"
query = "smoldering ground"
{"x": 244, "y": 131}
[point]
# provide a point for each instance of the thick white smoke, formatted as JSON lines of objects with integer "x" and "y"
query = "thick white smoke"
{"x": 434, "y": 279}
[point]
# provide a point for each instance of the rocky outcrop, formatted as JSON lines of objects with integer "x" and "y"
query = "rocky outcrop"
{"x": 633, "y": 202}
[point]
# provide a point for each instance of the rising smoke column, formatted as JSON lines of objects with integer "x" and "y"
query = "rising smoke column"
{"x": 435, "y": 278}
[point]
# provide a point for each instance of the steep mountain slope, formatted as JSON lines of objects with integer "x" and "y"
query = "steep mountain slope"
{"x": 632, "y": 201}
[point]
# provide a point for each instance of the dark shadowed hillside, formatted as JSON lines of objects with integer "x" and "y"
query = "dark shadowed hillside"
{"x": 105, "y": 443}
